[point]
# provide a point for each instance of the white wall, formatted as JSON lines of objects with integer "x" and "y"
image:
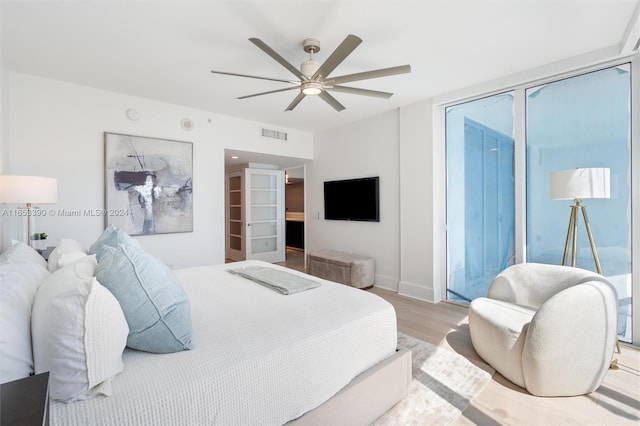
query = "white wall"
{"x": 4, "y": 95}
{"x": 398, "y": 147}
{"x": 4, "y": 115}
{"x": 56, "y": 129}
{"x": 418, "y": 177}
{"x": 4, "y": 100}
{"x": 4, "y": 121}
{"x": 367, "y": 148}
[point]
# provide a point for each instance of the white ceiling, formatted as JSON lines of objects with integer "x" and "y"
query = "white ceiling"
{"x": 164, "y": 50}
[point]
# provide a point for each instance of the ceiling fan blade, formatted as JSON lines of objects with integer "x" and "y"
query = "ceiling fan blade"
{"x": 365, "y": 92}
{"x": 331, "y": 101}
{"x": 346, "y": 47}
{"x": 253, "y": 76}
{"x": 266, "y": 93}
{"x": 384, "y": 72}
{"x": 269, "y": 51}
{"x": 295, "y": 101}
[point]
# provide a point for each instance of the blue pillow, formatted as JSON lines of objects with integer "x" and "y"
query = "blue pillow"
{"x": 111, "y": 237}
{"x": 155, "y": 306}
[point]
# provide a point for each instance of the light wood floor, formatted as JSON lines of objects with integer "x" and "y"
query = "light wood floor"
{"x": 617, "y": 401}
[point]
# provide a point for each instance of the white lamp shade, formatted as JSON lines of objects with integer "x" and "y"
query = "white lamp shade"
{"x": 580, "y": 183}
{"x": 28, "y": 189}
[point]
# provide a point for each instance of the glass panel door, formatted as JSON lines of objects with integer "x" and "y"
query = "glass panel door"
{"x": 480, "y": 194}
{"x": 265, "y": 215}
{"x": 583, "y": 122}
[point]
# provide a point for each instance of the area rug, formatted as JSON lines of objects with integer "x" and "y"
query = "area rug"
{"x": 443, "y": 384}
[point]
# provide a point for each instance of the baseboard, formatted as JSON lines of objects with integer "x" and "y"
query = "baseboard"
{"x": 386, "y": 283}
{"x": 416, "y": 291}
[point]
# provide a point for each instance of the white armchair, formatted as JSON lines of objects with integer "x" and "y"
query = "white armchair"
{"x": 547, "y": 328}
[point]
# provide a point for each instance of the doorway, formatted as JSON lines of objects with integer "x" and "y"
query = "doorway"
{"x": 294, "y": 208}
{"x": 293, "y": 171}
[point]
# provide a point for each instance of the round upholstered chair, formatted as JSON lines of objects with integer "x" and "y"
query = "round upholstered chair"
{"x": 547, "y": 328}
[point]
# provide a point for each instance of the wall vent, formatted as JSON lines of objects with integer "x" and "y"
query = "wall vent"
{"x": 273, "y": 134}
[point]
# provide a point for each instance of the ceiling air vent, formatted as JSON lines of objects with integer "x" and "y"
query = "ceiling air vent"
{"x": 273, "y": 134}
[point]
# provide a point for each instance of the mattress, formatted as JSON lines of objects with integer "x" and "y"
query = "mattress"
{"x": 258, "y": 357}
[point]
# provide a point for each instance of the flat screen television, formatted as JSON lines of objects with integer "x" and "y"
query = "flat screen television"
{"x": 352, "y": 199}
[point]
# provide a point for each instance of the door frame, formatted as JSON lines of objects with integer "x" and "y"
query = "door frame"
{"x": 304, "y": 207}
{"x": 260, "y": 160}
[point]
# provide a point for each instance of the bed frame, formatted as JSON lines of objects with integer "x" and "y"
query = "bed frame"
{"x": 367, "y": 397}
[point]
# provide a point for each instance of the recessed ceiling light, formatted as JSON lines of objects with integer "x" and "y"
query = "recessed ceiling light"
{"x": 234, "y": 157}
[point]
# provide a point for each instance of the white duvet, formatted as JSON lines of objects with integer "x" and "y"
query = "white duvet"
{"x": 258, "y": 357}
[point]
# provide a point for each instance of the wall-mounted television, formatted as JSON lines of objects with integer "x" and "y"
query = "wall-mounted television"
{"x": 352, "y": 199}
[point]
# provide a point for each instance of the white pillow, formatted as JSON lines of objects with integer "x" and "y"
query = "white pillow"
{"x": 18, "y": 285}
{"x": 67, "y": 251}
{"x": 21, "y": 252}
{"x": 79, "y": 333}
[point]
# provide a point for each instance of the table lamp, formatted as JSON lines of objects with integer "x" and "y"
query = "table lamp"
{"x": 578, "y": 184}
{"x": 28, "y": 190}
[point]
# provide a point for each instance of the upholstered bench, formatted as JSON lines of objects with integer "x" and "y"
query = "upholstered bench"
{"x": 346, "y": 268}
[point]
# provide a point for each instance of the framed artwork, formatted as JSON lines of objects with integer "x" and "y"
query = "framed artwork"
{"x": 148, "y": 184}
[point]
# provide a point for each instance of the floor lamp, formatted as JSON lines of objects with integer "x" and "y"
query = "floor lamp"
{"x": 576, "y": 185}
{"x": 28, "y": 190}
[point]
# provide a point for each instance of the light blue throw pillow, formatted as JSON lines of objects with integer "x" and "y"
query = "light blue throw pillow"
{"x": 154, "y": 305}
{"x": 111, "y": 237}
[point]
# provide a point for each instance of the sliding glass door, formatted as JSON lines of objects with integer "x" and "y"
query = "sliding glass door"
{"x": 480, "y": 194}
{"x": 583, "y": 122}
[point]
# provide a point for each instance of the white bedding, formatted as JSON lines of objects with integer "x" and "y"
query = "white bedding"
{"x": 258, "y": 357}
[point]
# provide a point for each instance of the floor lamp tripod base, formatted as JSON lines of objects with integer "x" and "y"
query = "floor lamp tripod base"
{"x": 572, "y": 236}
{"x": 572, "y": 240}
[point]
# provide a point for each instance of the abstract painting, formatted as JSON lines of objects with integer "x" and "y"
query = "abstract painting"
{"x": 149, "y": 184}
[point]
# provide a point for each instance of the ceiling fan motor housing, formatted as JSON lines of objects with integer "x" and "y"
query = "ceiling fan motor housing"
{"x": 309, "y": 67}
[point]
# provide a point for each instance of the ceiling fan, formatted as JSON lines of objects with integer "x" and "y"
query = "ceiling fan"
{"x": 313, "y": 77}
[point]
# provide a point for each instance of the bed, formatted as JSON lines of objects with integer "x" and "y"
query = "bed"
{"x": 324, "y": 355}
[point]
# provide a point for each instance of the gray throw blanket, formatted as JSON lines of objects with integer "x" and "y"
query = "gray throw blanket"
{"x": 275, "y": 279}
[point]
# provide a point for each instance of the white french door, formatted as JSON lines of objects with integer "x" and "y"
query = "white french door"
{"x": 264, "y": 215}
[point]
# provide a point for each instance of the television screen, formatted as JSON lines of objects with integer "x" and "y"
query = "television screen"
{"x": 352, "y": 199}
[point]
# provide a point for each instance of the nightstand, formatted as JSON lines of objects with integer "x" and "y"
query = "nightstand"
{"x": 25, "y": 401}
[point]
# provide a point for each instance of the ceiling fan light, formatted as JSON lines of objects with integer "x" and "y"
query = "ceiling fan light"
{"x": 311, "y": 88}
